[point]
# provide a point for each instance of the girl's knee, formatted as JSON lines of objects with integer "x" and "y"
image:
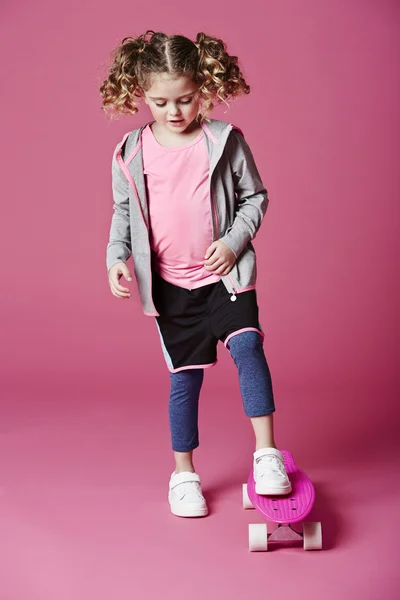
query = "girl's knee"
{"x": 245, "y": 343}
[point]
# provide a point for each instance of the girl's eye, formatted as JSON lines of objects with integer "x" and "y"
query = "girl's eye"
{"x": 186, "y": 102}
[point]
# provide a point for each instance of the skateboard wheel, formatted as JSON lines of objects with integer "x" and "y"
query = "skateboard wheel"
{"x": 258, "y": 537}
{"x": 246, "y": 500}
{"x": 312, "y": 536}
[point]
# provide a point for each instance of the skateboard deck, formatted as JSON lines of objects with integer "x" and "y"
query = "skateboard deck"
{"x": 283, "y": 511}
{"x": 292, "y": 507}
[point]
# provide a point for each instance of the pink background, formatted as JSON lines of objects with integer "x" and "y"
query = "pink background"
{"x": 84, "y": 442}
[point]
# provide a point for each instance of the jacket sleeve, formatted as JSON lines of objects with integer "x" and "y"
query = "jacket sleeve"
{"x": 251, "y": 195}
{"x": 119, "y": 247}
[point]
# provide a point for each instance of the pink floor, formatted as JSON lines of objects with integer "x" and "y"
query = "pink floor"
{"x": 84, "y": 513}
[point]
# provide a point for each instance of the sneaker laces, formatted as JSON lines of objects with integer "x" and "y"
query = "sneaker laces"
{"x": 270, "y": 462}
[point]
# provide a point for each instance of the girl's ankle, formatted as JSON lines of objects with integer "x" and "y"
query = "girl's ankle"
{"x": 185, "y": 468}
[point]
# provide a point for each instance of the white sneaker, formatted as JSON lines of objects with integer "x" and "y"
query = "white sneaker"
{"x": 270, "y": 473}
{"x": 185, "y": 496}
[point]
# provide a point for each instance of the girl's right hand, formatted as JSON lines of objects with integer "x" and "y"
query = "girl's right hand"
{"x": 114, "y": 275}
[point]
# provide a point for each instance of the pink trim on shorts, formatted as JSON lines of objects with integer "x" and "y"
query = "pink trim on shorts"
{"x": 193, "y": 367}
{"x": 241, "y": 331}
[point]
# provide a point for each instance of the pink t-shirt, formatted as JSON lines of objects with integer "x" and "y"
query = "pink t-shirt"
{"x": 178, "y": 189}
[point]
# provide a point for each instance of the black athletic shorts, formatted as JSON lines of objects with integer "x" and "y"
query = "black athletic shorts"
{"x": 191, "y": 322}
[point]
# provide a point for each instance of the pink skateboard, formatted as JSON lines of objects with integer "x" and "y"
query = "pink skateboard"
{"x": 282, "y": 511}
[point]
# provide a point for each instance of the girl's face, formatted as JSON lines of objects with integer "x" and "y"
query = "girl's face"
{"x": 174, "y": 103}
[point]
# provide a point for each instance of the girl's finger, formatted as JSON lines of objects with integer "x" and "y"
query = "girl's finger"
{"x": 119, "y": 291}
{"x": 118, "y": 286}
{"x": 216, "y": 265}
{"x": 212, "y": 260}
{"x": 221, "y": 269}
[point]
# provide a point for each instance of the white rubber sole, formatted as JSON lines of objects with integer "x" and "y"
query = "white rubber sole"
{"x": 189, "y": 512}
{"x": 264, "y": 490}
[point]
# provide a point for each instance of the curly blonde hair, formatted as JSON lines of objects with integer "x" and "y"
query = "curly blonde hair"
{"x": 136, "y": 60}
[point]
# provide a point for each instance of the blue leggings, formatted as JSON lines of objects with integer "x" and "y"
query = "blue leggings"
{"x": 255, "y": 382}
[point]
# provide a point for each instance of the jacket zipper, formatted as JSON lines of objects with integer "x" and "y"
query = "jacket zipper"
{"x": 213, "y": 207}
{"x": 234, "y": 294}
{"x": 120, "y": 160}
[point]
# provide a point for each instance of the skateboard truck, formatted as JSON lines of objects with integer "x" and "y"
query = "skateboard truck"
{"x": 260, "y": 538}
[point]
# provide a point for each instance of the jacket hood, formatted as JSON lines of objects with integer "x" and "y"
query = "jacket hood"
{"x": 216, "y": 131}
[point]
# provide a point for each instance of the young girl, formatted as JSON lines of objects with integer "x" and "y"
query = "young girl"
{"x": 188, "y": 200}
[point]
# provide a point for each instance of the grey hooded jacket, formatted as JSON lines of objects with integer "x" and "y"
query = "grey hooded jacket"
{"x": 238, "y": 201}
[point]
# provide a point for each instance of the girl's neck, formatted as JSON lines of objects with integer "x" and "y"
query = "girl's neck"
{"x": 171, "y": 139}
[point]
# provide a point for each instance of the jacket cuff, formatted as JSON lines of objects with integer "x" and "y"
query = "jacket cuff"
{"x": 237, "y": 238}
{"x": 116, "y": 253}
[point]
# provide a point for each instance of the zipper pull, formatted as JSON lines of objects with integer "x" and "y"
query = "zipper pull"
{"x": 233, "y": 294}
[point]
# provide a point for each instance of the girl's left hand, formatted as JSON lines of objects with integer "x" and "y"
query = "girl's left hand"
{"x": 219, "y": 258}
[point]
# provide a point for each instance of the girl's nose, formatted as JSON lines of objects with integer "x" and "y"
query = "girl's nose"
{"x": 175, "y": 112}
